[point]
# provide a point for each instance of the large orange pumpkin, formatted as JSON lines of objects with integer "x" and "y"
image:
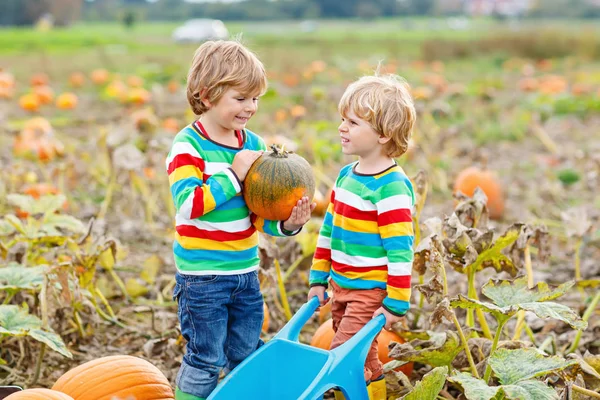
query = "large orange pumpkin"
{"x": 471, "y": 178}
{"x": 39, "y": 394}
{"x": 324, "y": 336}
{"x": 115, "y": 377}
{"x": 275, "y": 183}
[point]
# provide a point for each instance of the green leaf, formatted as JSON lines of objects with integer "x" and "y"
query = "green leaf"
{"x": 511, "y": 296}
{"x": 6, "y": 228}
{"x": 16, "y": 277}
{"x": 15, "y": 321}
{"x": 65, "y": 222}
{"x": 52, "y": 340}
{"x": 499, "y": 313}
{"x": 474, "y": 388}
{"x": 49, "y": 204}
{"x": 512, "y": 366}
{"x": 15, "y": 222}
{"x": 477, "y": 389}
{"x": 529, "y": 390}
{"x": 430, "y": 386}
{"x": 507, "y": 293}
{"x": 438, "y": 351}
{"x": 24, "y": 202}
{"x": 493, "y": 256}
{"x": 568, "y": 176}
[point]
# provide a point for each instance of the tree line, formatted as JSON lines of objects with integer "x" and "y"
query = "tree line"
{"x": 64, "y": 12}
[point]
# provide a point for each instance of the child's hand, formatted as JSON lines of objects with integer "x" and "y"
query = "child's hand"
{"x": 243, "y": 161}
{"x": 318, "y": 291}
{"x": 390, "y": 318}
{"x": 300, "y": 215}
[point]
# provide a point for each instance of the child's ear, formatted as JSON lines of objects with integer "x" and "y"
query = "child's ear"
{"x": 204, "y": 99}
{"x": 383, "y": 139}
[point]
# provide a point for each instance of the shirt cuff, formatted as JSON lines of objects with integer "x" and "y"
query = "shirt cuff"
{"x": 286, "y": 232}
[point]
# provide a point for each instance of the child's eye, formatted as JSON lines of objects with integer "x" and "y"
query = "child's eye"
{"x": 255, "y": 98}
{"x": 240, "y": 99}
{"x": 353, "y": 123}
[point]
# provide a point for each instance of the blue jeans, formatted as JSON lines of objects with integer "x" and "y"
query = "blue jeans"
{"x": 221, "y": 318}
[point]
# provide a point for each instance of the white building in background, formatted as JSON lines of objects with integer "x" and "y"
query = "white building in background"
{"x": 509, "y": 8}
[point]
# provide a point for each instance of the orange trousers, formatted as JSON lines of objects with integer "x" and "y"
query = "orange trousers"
{"x": 351, "y": 309}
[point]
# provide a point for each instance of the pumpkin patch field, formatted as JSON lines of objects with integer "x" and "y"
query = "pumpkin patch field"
{"x": 504, "y": 159}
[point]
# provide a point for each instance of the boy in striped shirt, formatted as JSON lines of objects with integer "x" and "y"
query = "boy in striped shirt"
{"x": 365, "y": 246}
{"x": 220, "y": 307}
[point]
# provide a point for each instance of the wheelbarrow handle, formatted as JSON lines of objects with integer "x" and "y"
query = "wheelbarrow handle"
{"x": 291, "y": 330}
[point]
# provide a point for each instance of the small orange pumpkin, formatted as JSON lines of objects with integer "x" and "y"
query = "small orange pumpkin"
{"x": 37, "y": 141}
{"x": 171, "y": 125}
{"x": 39, "y": 79}
{"x": 298, "y": 111}
{"x": 275, "y": 183}
{"x": 39, "y": 394}
{"x": 7, "y": 80}
{"x": 77, "y": 79}
{"x": 100, "y": 76}
{"x": 44, "y": 93}
{"x": 111, "y": 377}
{"x": 29, "y": 102}
{"x": 324, "y": 336}
{"x": 6, "y": 92}
{"x": 67, "y": 101}
{"x": 116, "y": 90}
{"x": 138, "y": 96}
{"x": 173, "y": 86}
{"x": 471, "y": 178}
{"x": 135, "y": 81}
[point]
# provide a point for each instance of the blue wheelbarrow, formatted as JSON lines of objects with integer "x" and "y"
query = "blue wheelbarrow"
{"x": 285, "y": 369}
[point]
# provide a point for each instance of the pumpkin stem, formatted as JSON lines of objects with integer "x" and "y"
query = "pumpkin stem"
{"x": 278, "y": 152}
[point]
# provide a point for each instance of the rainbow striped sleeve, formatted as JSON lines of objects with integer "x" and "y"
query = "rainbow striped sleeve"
{"x": 321, "y": 265}
{"x": 272, "y": 228}
{"x": 186, "y": 167}
{"x": 394, "y": 202}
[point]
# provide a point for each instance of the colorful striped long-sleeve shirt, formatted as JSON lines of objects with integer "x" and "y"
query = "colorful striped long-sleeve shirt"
{"x": 366, "y": 240}
{"x": 215, "y": 231}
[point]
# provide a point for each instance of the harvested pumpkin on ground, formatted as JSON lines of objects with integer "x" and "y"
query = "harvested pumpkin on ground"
{"x": 275, "y": 183}
{"x": 471, "y": 178}
{"x": 324, "y": 336}
{"x": 115, "y": 377}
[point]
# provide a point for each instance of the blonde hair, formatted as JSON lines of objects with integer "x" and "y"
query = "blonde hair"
{"x": 386, "y": 104}
{"x": 220, "y": 65}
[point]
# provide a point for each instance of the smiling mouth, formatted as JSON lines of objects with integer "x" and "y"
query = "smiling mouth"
{"x": 344, "y": 140}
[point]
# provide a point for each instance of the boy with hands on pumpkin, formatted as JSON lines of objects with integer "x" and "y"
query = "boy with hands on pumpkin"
{"x": 365, "y": 245}
{"x": 220, "y": 306}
